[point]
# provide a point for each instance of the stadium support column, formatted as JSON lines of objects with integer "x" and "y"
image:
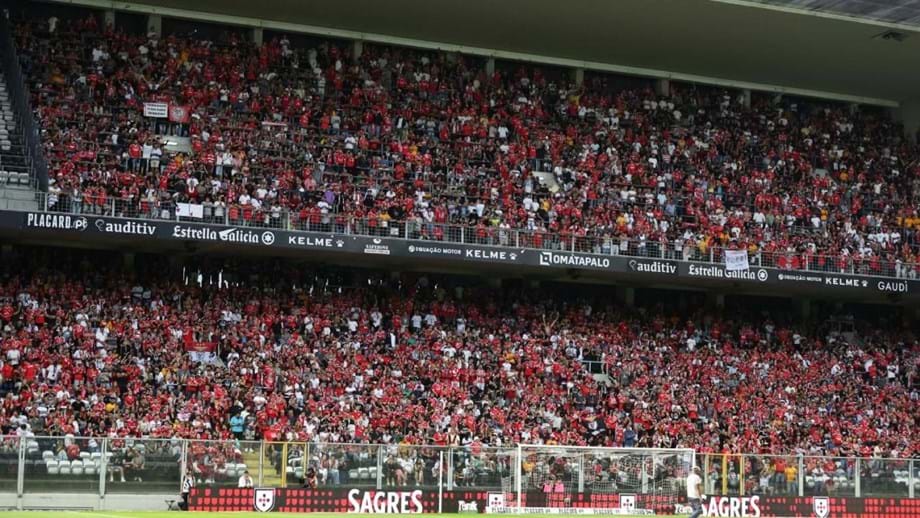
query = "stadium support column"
{"x": 909, "y": 115}
{"x": 109, "y": 18}
{"x": 626, "y": 296}
{"x": 518, "y": 475}
{"x": 715, "y": 300}
{"x": 578, "y": 76}
{"x": 20, "y": 471}
{"x": 490, "y": 67}
{"x": 746, "y": 98}
{"x": 357, "y": 48}
{"x": 857, "y": 478}
{"x": 911, "y": 475}
{"x": 155, "y": 24}
{"x": 663, "y": 87}
{"x": 440, "y": 481}
{"x": 257, "y": 35}
{"x": 128, "y": 260}
{"x": 803, "y": 307}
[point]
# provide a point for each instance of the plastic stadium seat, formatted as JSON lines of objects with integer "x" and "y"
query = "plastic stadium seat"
{"x": 54, "y": 467}
{"x": 229, "y": 470}
{"x": 4, "y": 178}
{"x": 76, "y": 467}
{"x": 89, "y": 467}
{"x": 65, "y": 467}
{"x": 84, "y": 455}
{"x": 47, "y": 454}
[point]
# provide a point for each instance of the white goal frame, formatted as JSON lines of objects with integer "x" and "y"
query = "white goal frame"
{"x": 686, "y": 455}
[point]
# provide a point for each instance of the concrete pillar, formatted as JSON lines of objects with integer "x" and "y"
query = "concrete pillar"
{"x": 716, "y": 300}
{"x": 804, "y": 308}
{"x": 909, "y": 115}
{"x": 490, "y": 67}
{"x": 626, "y": 295}
{"x": 663, "y": 87}
{"x": 357, "y": 48}
{"x": 109, "y": 18}
{"x": 854, "y": 109}
{"x": 155, "y": 25}
{"x": 746, "y": 98}
{"x": 257, "y": 36}
{"x": 578, "y": 76}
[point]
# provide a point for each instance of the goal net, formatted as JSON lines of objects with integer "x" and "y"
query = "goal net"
{"x": 558, "y": 479}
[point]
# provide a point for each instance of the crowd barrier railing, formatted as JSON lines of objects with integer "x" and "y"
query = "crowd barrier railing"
{"x": 445, "y": 233}
{"x": 101, "y": 466}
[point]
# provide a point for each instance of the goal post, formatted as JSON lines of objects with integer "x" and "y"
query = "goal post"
{"x": 560, "y": 479}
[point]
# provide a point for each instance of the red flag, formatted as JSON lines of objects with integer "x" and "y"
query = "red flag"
{"x": 179, "y": 113}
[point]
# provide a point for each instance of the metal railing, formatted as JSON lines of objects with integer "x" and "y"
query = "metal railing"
{"x": 802, "y": 475}
{"x": 156, "y": 466}
{"x": 416, "y": 229}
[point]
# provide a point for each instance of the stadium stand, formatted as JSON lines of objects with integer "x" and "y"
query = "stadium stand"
{"x": 327, "y": 376}
{"x": 90, "y": 351}
{"x": 315, "y": 136}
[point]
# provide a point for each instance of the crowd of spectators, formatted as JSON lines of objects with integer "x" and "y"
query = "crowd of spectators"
{"x": 277, "y": 352}
{"x": 430, "y": 139}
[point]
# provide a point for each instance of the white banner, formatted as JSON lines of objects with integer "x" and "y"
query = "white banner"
{"x": 208, "y": 358}
{"x": 157, "y": 110}
{"x": 736, "y": 260}
{"x": 189, "y": 210}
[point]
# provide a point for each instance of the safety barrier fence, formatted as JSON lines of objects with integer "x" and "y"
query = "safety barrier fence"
{"x": 111, "y": 466}
{"x": 440, "y": 233}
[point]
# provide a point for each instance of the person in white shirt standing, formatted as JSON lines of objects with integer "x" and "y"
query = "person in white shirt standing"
{"x": 695, "y": 494}
{"x": 188, "y": 483}
{"x": 245, "y": 480}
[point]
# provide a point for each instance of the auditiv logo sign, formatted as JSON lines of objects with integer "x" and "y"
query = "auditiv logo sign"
{"x": 665, "y": 267}
{"x": 134, "y": 228}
